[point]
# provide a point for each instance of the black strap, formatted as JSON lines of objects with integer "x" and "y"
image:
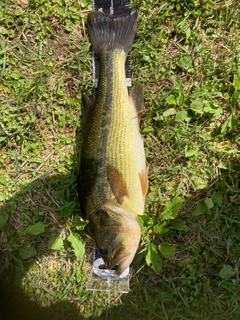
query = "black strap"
{"x": 111, "y": 6}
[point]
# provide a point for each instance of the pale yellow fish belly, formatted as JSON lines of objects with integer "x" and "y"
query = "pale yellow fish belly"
{"x": 125, "y": 149}
{"x": 126, "y": 153}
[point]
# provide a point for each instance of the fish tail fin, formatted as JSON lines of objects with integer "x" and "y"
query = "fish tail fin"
{"x": 112, "y": 31}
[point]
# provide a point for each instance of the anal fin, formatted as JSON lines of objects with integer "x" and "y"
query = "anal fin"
{"x": 137, "y": 97}
{"x": 143, "y": 175}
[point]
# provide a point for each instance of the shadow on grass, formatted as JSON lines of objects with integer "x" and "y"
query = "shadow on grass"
{"x": 45, "y": 200}
{"x": 15, "y": 304}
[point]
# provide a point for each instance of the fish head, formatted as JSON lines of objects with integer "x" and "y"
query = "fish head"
{"x": 117, "y": 235}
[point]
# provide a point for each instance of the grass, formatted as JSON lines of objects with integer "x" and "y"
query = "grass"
{"x": 187, "y": 56}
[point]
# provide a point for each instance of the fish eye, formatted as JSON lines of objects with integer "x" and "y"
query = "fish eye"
{"x": 103, "y": 252}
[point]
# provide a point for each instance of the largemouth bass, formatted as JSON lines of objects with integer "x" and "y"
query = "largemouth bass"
{"x": 113, "y": 178}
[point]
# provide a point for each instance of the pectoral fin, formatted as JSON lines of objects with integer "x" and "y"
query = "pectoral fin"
{"x": 143, "y": 175}
{"x": 117, "y": 183}
{"x": 136, "y": 95}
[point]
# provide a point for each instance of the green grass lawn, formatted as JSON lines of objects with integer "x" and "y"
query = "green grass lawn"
{"x": 187, "y": 56}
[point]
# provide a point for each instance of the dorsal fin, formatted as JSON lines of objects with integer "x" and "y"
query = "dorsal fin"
{"x": 86, "y": 105}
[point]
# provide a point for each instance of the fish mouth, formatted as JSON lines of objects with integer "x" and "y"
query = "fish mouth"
{"x": 122, "y": 259}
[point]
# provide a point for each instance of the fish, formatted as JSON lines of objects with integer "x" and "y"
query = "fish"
{"x": 113, "y": 177}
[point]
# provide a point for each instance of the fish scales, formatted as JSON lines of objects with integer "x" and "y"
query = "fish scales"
{"x": 113, "y": 174}
{"x": 111, "y": 142}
